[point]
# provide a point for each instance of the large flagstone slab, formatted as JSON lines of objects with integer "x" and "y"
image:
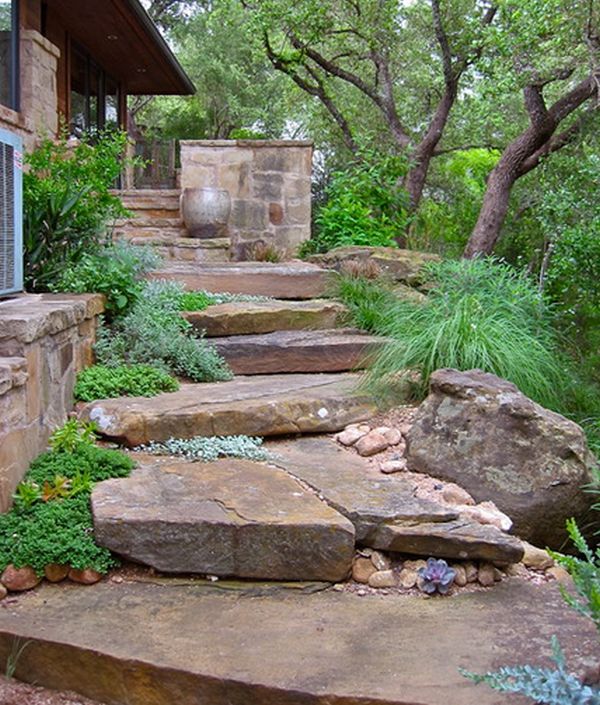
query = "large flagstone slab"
{"x": 384, "y": 510}
{"x": 253, "y": 317}
{"x": 230, "y": 517}
{"x": 191, "y": 644}
{"x": 269, "y": 405}
{"x": 299, "y": 351}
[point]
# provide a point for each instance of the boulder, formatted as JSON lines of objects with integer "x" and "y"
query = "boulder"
{"x": 481, "y": 432}
{"x": 404, "y": 266}
{"x": 19, "y": 579}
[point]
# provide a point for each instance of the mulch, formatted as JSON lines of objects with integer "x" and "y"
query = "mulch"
{"x": 13, "y": 692}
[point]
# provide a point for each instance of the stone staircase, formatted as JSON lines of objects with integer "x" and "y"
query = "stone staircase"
{"x": 288, "y": 526}
{"x": 300, "y": 514}
{"x": 156, "y": 220}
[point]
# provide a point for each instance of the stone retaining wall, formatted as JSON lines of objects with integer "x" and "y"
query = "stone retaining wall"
{"x": 269, "y": 183}
{"x": 45, "y": 339}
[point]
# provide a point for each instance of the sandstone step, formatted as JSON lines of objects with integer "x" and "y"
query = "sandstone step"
{"x": 298, "y": 351}
{"x": 150, "y": 235}
{"x": 254, "y": 317}
{"x": 289, "y": 280}
{"x": 270, "y": 405}
{"x": 227, "y": 518}
{"x": 188, "y": 642}
{"x": 150, "y": 222}
{"x": 146, "y": 199}
{"x": 384, "y": 510}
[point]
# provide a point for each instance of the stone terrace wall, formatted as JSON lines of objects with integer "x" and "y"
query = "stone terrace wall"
{"x": 45, "y": 339}
{"x": 269, "y": 183}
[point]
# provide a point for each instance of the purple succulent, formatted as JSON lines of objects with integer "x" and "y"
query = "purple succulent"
{"x": 437, "y": 576}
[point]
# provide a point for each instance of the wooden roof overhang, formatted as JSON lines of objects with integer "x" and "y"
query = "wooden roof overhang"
{"x": 122, "y": 38}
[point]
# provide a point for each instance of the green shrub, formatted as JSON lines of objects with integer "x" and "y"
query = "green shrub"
{"x": 478, "y": 314}
{"x": 155, "y": 333}
{"x": 51, "y": 521}
{"x": 67, "y": 203}
{"x": 115, "y": 271}
{"x": 363, "y": 205}
{"x": 101, "y": 382}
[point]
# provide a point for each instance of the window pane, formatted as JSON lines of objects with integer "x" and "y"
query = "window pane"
{"x": 79, "y": 104}
{"x": 111, "y": 109}
{"x": 7, "y": 69}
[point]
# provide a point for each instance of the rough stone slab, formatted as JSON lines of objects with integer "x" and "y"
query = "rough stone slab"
{"x": 160, "y": 644}
{"x": 459, "y": 539}
{"x": 254, "y": 317}
{"x": 269, "y": 405}
{"x": 383, "y": 508}
{"x": 229, "y": 518}
{"x": 289, "y": 280}
{"x": 299, "y": 351}
{"x": 403, "y": 265}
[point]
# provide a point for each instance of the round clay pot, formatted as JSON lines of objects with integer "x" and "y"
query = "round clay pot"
{"x": 205, "y": 211}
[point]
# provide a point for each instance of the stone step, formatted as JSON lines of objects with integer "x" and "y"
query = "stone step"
{"x": 151, "y": 235}
{"x": 149, "y": 200}
{"x": 188, "y": 642}
{"x": 254, "y": 317}
{"x": 383, "y": 508}
{"x": 270, "y": 405}
{"x": 226, "y": 518}
{"x": 184, "y": 249}
{"x": 288, "y": 280}
{"x": 150, "y": 222}
{"x": 299, "y": 351}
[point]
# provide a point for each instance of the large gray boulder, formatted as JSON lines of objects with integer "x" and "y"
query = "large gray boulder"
{"x": 481, "y": 432}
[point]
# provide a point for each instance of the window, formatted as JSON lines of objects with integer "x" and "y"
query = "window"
{"x": 9, "y": 53}
{"x": 94, "y": 95}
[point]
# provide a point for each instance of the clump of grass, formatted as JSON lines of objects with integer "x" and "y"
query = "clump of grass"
{"x": 478, "y": 315}
{"x": 367, "y": 301}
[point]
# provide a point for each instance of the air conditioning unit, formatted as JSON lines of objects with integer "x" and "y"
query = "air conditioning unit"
{"x": 11, "y": 213}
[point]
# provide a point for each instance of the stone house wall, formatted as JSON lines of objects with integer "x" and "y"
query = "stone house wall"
{"x": 269, "y": 183}
{"x": 45, "y": 339}
{"x": 38, "y": 115}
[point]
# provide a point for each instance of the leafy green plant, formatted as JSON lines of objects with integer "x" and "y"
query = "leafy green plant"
{"x": 478, "y": 314}
{"x": 209, "y": 448}
{"x": 585, "y": 572}
{"x": 154, "y": 333}
{"x": 51, "y": 520}
{"x": 195, "y": 301}
{"x": 67, "y": 203}
{"x": 199, "y": 300}
{"x": 72, "y": 436}
{"x": 114, "y": 270}
{"x": 363, "y": 205}
{"x": 101, "y": 382}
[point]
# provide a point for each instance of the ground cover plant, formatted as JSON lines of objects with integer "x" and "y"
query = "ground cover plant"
{"x": 154, "y": 333}
{"x": 51, "y": 520}
{"x": 101, "y": 382}
{"x": 207, "y": 448}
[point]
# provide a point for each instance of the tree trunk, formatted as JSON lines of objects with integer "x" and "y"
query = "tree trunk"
{"x": 492, "y": 213}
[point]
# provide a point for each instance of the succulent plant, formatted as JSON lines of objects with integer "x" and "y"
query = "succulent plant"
{"x": 436, "y": 576}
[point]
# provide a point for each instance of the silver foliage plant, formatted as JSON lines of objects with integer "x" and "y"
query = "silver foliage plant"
{"x": 543, "y": 685}
{"x": 209, "y": 448}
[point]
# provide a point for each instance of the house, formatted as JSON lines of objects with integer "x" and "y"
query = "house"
{"x": 77, "y": 61}
{"x": 60, "y": 60}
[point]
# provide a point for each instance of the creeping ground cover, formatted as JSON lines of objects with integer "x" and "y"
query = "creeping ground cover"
{"x": 51, "y": 520}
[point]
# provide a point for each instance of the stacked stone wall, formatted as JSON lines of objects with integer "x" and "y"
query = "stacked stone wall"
{"x": 45, "y": 339}
{"x": 269, "y": 183}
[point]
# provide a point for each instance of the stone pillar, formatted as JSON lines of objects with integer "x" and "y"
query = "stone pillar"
{"x": 269, "y": 183}
{"x": 39, "y": 94}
